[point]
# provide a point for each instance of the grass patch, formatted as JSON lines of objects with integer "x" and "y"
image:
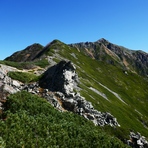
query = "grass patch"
{"x": 24, "y": 77}
{"x": 26, "y": 65}
{"x": 42, "y": 63}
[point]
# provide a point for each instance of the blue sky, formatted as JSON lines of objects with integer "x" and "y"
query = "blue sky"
{"x": 24, "y": 22}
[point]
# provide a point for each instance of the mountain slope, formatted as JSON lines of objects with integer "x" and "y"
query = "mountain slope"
{"x": 113, "y": 78}
{"x": 103, "y": 50}
{"x": 28, "y": 54}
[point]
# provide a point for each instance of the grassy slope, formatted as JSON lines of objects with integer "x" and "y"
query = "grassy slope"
{"x": 131, "y": 87}
{"x": 26, "y": 65}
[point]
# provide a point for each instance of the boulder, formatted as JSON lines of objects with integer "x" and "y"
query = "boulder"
{"x": 69, "y": 104}
{"x": 9, "y": 89}
{"x": 137, "y": 141}
{"x": 61, "y": 77}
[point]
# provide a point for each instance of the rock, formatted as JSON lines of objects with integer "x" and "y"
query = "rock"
{"x": 79, "y": 111}
{"x": 1, "y": 75}
{"x": 137, "y": 141}
{"x": 61, "y": 77}
{"x": 69, "y": 81}
{"x": 4, "y": 69}
{"x": 90, "y": 116}
{"x": 6, "y": 83}
{"x": 52, "y": 100}
{"x": 9, "y": 89}
{"x": 61, "y": 95}
{"x": 69, "y": 104}
{"x": 16, "y": 83}
{"x": 1, "y": 108}
{"x": 7, "y": 80}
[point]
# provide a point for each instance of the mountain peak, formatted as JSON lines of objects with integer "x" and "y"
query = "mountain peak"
{"x": 26, "y": 54}
{"x": 103, "y": 40}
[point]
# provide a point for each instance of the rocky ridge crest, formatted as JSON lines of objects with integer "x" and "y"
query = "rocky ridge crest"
{"x": 57, "y": 86}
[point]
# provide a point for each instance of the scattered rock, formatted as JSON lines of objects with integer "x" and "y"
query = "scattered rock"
{"x": 137, "y": 141}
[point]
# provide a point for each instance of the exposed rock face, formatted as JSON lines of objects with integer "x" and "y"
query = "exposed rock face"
{"x": 137, "y": 141}
{"x": 62, "y": 79}
{"x": 79, "y": 105}
{"x": 7, "y": 85}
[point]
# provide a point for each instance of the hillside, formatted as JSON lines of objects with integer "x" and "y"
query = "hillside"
{"x": 112, "y": 79}
{"x": 103, "y": 50}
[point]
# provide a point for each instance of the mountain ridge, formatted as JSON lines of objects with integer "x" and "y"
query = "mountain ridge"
{"x": 134, "y": 60}
{"x": 111, "y": 77}
{"x": 130, "y": 59}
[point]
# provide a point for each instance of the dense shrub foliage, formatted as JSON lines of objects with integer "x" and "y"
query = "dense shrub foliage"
{"x": 30, "y": 122}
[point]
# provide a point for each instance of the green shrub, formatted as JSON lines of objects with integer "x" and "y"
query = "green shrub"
{"x": 26, "y": 65}
{"x": 42, "y": 63}
{"x": 23, "y": 76}
{"x": 10, "y": 63}
{"x": 32, "y": 122}
{"x": 2, "y": 143}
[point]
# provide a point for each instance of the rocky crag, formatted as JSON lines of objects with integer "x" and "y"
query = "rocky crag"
{"x": 63, "y": 79}
{"x": 57, "y": 86}
{"x": 137, "y": 140}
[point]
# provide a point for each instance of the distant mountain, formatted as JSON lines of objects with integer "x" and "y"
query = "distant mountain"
{"x": 28, "y": 54}
{"x": 100, "y": 81}
{"x": 101, "y": 50}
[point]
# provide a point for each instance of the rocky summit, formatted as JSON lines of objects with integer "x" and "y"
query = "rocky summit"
{"x": 99, "y": 81}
